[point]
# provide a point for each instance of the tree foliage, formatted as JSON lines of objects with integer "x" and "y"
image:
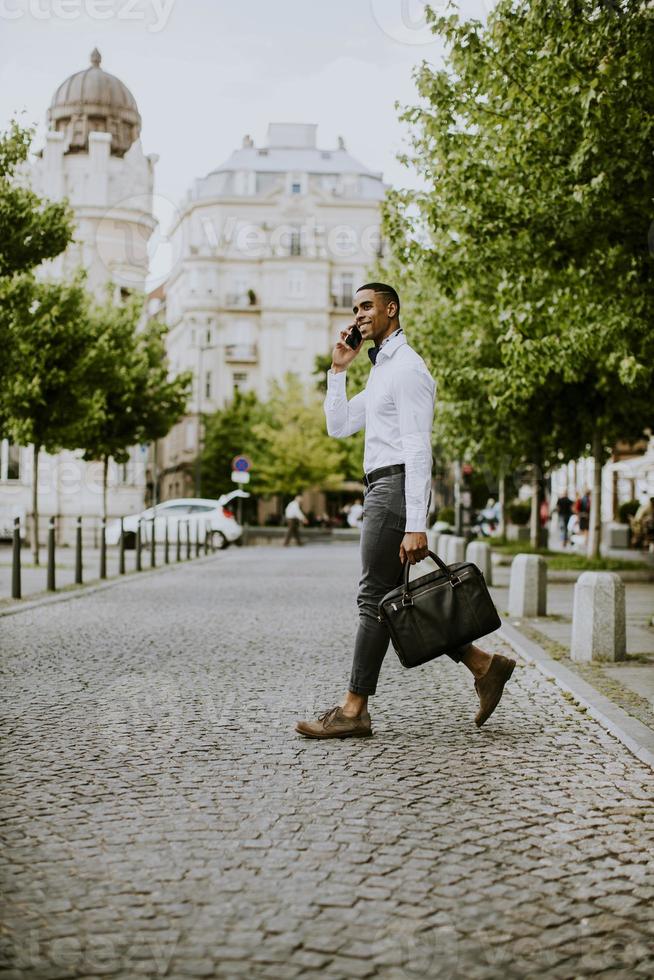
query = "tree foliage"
{"x": 229, "y": 432}
{"x": 297, "y": 452}
{"x": 526, "y": 255}
{"x": 139, "y": 403}
{"x": 32, "y": 229}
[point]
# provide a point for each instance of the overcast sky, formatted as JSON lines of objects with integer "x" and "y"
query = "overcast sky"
{"x": 205, "y": 72}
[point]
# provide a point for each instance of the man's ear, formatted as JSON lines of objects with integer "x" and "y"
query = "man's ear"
{"x": 391, "y": 309}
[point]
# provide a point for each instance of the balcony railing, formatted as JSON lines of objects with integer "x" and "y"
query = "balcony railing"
{"x": 245, "y": 353}
{"x": 248, "y": 298}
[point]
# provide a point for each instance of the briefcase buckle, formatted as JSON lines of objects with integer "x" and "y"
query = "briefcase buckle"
{"x": 454, "y": 581}
{"x": 407, "y": 600}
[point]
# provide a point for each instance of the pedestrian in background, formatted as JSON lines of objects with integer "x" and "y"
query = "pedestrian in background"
{"x": 294, "y": 517}
{"x": 584, "y": 512}
{"x": 355, "y": 517}
{"x": 564, "y": 510}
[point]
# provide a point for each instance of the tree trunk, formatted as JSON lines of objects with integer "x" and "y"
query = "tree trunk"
{"x": 534, "y": 520}
{"x": 35, "y": 507}
{"x": 105, "y": 469}
{"x": 501, "y": 495}
{"x": 595, "y": 518}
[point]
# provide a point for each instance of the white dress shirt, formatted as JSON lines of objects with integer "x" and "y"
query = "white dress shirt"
{"x": 397, "y": 409}
{"x": 293, "y": 512}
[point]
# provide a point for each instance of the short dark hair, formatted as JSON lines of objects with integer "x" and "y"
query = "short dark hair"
{"x": 382, "y": 287}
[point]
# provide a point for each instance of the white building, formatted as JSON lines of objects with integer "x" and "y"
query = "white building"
{"x": 269, "y": 248}
{"x": 92, "y": 156}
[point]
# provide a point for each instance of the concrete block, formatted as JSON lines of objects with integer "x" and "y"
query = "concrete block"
{"x": 517, "y": 533}
{"x": 617, "y": 535}
{"x": 456, "y": 549}
{"x": 479, "y": 553}
{"x": 433, "y": 539}
{"x": 598, "y": 618}
{"x": 528, "y": 586}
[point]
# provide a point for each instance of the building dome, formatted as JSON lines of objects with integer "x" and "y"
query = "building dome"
{"x": 95, "y": 101}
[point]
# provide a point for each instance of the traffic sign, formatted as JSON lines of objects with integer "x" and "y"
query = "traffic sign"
{"x": 240, "y": 476}
{"x": 241, "y": 464}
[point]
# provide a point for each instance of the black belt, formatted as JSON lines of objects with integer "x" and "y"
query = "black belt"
{"x": 374, "y": 475}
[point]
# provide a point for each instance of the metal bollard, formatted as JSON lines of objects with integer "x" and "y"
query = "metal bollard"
{"x": 138, "y": 546}
{"x": 15, "y": 561}
{"x": 51, "y": 556}
{"x": 78, "y": 551}
{"x": 121, "y": 549}
{"x": 188, "y": 539}
{"x": 153, "y": 547}
{"x": 178, "y": 543}
{"x": 206, "y": 538}
{"x": 197, "y": 539}
{"x": 103, "y": 548}
{"x": 166, "y": 543}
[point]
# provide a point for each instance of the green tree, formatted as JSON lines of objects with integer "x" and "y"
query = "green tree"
{"x": 297, "y": 452}
{"x": 32, "y": 230}
{"x": 527, "y": 251}
{"x": 229, "y": 432}
{"x": 49, "y": 394}
{"x": 129, "y": 370}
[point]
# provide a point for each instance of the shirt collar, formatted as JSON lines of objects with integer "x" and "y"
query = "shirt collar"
{"x": 388, "y": 346}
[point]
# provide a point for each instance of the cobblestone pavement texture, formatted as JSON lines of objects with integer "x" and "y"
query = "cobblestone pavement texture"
{"x": 161, "y": 818}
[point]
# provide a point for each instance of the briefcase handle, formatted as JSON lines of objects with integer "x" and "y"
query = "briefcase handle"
{"x": 452, "y": 576}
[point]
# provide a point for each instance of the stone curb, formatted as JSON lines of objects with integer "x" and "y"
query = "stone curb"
{"x": 644, "y": 574}
{"x": 21, "y": 605}
{"x": 636, "y": 736}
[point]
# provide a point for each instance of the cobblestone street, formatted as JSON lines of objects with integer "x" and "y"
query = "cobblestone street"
{"x": 162, "y": 818}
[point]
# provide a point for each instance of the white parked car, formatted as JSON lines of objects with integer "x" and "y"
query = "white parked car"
{"x": 200, "y": 513}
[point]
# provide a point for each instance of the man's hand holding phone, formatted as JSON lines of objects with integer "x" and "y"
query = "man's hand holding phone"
{"x": 347, "y": 347}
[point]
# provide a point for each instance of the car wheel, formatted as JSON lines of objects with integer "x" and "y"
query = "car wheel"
{"x": 218, "y": 541}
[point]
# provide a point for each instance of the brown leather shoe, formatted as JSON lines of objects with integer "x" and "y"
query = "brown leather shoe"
{"x": 334, "y": 724}
{"x": 491, "y": 686}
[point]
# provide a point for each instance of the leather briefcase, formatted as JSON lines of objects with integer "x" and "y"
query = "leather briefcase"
{"x": 437, "y": 612}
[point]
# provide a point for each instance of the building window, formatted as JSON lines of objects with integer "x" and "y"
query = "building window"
{"x": 239, "y": 380}
{"x": 296, "y": 241}
{"x": 295, "y": 334}
{"x": 208, "y": 335}
{"x": 343, "y": 289}
{"x": 9, "y": 460}
{"x": 297, "y": 281}
{"x": 296, "y": 187}
{"x": 207, "y": 384}
{"x": 13, "y": 461}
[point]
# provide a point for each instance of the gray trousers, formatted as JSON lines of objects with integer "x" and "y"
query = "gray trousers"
{"x": 384, "y": 519}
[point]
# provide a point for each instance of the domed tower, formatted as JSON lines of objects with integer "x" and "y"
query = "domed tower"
{"x": 95, "y": 101}
{"x": 93, "y": 156}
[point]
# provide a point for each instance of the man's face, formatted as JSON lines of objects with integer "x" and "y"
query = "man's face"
{"x": 371, "y": 311}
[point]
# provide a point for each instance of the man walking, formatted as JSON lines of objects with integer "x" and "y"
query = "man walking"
{"x": 396, "y": 408}
{"x": 294, "y": 517}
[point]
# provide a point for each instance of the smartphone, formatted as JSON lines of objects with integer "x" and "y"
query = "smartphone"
{"x": 354, "y": 337}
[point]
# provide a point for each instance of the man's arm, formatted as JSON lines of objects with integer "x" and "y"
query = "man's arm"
{"x": 413, "y": 391}
{"x": 343, "y": 417}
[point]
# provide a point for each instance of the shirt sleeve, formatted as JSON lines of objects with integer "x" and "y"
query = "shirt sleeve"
{"x": 343, "y": 417}
{"x": 413, "y": 393}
